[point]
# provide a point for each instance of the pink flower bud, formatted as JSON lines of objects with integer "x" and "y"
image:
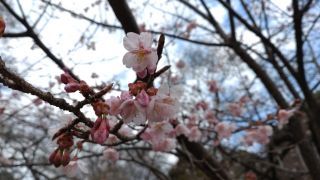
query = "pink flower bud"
{"x": 64, "y": 78}
{"x": 65, "y": 158}
{"x": 100, "y": 130}
{"x": 142, "y": 74}
{"x": 2, "y": 26}
{"x": 72, "y": 87}
{"x": 143, "y": 98}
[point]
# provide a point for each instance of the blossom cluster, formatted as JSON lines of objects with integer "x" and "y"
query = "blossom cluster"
{"x": 142, "y": 104}
{"x": 153, "y": 109}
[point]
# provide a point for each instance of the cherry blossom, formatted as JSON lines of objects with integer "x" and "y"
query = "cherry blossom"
{"x": 111, "y": 154}
{"x": 202, "y": 105}
{"x": 284, "y": 116}
{"x": 181, "y": 129}
{"x": 114, "y": 105}
{"x": 140, "y": 55}
{"x": 143, "y": 98}
{"x": 164, "y": 145}
{"x": 164, "y": 105}
{"x": 211, "y": 118}
{"x": 235, "y": 109}
{"x": 131, "y": 111}
{"x": 260, "y": 135}
{"x": 159, "y": 136}
{"x": 74, "y": 168}
{"x": 224, "y": 129}
{"x": 195, "y": 134}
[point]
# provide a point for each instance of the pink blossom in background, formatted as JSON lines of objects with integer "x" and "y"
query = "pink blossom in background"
{"x": 140, "y": 55}
{"x": 192, "y": 25}
{"x": 284, "y": 116}
{"x": 202, "y": 105}
{"x": 164, "y": 105}
{"x": 192, "y": 121}
{"x": 164, "y": 145}
{"x": 235, "y": 109}
{"x": 114, "y": 105}
{"x": 180, "y": 64}
{"x": 224, "y": 129}
{"x": 181, "y": 129}
{"x": 74, "y": 168}
{"x": 259, "y": 135}
{"x": 211, "y": 118}
{"x": 213, "y": 86}
{"x": 195, "y": 134}
{"x": 125, "y": 130}
{"x": 158, "y": 135}
{"x": 111, "y": 154}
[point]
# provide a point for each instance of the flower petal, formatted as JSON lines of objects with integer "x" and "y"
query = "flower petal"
{"x": 131, "y": 41}
{"x": 130, "y": 60}
{"x": 146, "y": 39}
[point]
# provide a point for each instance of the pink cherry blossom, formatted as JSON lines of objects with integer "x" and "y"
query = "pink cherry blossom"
{"x": 181, "y": 129}
{"x": 140, "y": 55}
{"x": 164, "y": 105}
{"x": 74, "y": 168}
{"x": 125, "y": 95}
{"x": 111, "y": 154}
{"x": 284, "y": 116}
{"x": 195, "y": 134}
{"x": 158, "y": 134}
{"x": 131, "y": 111}
{"x": 235, "y": 109}
{"x": 143, "y": 98}
{"x": 224, "y": 129}
{"x": 164, "y": 145}
{"x": 114, "y": 105}
{"x": 202, "y": 105}
{"x": 259, "y": 135}
{"x": 211, "y": 118}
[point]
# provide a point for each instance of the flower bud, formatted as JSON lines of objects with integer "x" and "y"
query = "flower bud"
{"x": 2, "y": 26}
{"x": 72, "y": 87}
{"x": 100, "y": 130}
{"x": 65, "y": 158}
